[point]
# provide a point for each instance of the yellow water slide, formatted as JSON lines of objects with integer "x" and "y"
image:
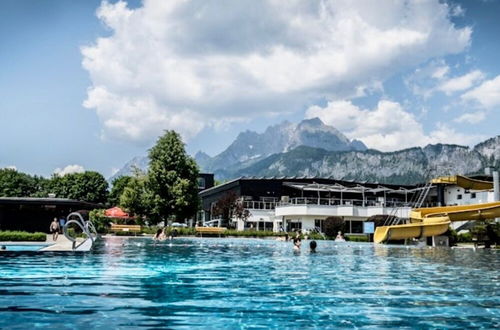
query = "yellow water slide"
{"x": 433, "y": 221}
{"x": 464, "y": 182}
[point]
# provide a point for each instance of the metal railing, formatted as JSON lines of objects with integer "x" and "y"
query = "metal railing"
{"x": 86, "y": 226}
{"x": 341, "y": 202}
{"x": 259, "y": 205}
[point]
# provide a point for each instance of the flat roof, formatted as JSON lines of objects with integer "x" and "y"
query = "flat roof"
{"x": 296, "y": 180}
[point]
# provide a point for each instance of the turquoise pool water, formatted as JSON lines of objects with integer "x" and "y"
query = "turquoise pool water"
{"x": 27, "y": 247}
{"x": 245, "y": 283}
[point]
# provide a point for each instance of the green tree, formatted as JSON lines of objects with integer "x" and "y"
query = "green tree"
{"x": 16, "y": 184}
{"x": 332, "y": 225}
{"x": 172, "y": 179}
{"x": 88, "y": 186}
{"x": 118, "y": 186}
{"x": 135, "y": 198}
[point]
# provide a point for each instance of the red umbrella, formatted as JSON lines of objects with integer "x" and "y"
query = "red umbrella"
{"x": 116, "y": 212}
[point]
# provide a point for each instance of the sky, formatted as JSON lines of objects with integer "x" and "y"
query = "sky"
{"x": 88, "y": 85}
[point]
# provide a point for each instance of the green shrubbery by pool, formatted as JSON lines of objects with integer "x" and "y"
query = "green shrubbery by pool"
{"x": 18, "y": 236}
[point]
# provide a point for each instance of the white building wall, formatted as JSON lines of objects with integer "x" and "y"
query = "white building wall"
{"x": 307, "y": 214}
{"x": 344, "y": 210}
{"x": 455, "y": 195}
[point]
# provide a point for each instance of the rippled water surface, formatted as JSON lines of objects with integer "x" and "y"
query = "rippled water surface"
{"x": 245, "y": 283}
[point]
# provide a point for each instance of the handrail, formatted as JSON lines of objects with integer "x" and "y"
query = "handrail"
{"x": 210, "y": 223}
{"x": 341, "y": 202}
{"x": 87, "y": 228}
{"x": 260, "y": 205}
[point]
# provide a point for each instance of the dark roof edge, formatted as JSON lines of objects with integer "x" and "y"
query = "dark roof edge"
{"x": 44, "y": 200}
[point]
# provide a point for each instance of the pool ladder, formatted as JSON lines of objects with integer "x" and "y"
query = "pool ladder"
{"x": 86, "y": 226}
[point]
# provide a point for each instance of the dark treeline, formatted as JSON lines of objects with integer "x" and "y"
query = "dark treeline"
{"x": 168, "y": 190}
{"x": 88, "y": 186}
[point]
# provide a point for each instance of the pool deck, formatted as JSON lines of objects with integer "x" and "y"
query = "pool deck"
{"x": 61, "y": 245}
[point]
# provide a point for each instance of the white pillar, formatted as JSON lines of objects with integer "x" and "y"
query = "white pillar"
{"x": 496, "y": 189}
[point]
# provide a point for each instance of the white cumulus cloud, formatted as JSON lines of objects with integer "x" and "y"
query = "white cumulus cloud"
{"x": 486, "y": 95}
{"x": 461, "y": 83}
{"x": 186, "y": 64}
{"x": 388, "y": 127}
{"x": 471, "y": 118}
{"x": 69, "y": 170}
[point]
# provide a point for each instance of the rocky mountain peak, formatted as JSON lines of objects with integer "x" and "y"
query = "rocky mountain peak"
{"x": 251, "y": 146}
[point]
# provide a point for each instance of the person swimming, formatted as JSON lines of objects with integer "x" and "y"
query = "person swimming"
{"x": 160, "y": 235}
{"x": 297, "y": 242}
{"x": 312, "y": 246}
{"x": 340, "y": 237}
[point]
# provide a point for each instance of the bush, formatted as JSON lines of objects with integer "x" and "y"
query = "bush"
{"x": 332, "y": 225}
{"x": 187, "y": 231}
{"x": 316, "y": 236}
{"x": 100, "y": 221}
{"x": 464, "y": 238}
{"x": 357, "y": 238}
{"x": 252, "y": 233}
{"x": 17, "y": 236}
{"x": 149, "y": 230}
{"x": 127, "y": 233}
{"x": 76, "y": 233}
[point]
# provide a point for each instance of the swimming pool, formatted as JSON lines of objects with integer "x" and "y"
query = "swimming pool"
{"x": 234, "y": 283}
{"x": 24, "y": 247}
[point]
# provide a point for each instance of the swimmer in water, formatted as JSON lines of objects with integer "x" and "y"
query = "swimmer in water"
{"x": 312, "y": 246}
{"x": 297, "y": 242}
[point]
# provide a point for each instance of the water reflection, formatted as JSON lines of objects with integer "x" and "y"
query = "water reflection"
{"x": 236, "y": 282}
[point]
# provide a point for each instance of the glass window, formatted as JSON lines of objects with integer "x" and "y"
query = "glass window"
{"x": 295, "y": 225}
{"x": 201, "y": 183}
{"x": 459, "y": 196}
{"x": 318, "y": 223}
{"x": 357, "y": 227}
{"x": 251, "y": 225}
{"x": 473, "y": 195}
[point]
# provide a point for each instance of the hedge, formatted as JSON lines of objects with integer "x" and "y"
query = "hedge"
{"x": 357, "y": 238}
{"x": 17, "y": 236}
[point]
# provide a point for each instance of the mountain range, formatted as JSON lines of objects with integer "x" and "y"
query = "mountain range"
{"x": 311, "y": 148}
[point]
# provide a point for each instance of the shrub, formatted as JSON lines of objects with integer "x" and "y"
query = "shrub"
{"x": 149, "y": 230}
{"x": 332, "y": 225}
{"x": 357, "y": 238}
{"x": 100, "y": 221}
{"x": 251, "y": 233}
{"x": 127, "y": 233}
{"x": 181, "y": 231}
{"x": 316, "y": 236}
{"x": 22, "y": 236}
{"x": 465, "y": 237}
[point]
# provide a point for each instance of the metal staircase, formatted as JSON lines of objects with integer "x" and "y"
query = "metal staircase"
{"x": 393, "y": 219}
{"x": 423, "y": 195}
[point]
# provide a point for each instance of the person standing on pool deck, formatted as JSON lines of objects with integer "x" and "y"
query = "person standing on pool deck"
{"x": 54, "y": 229}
